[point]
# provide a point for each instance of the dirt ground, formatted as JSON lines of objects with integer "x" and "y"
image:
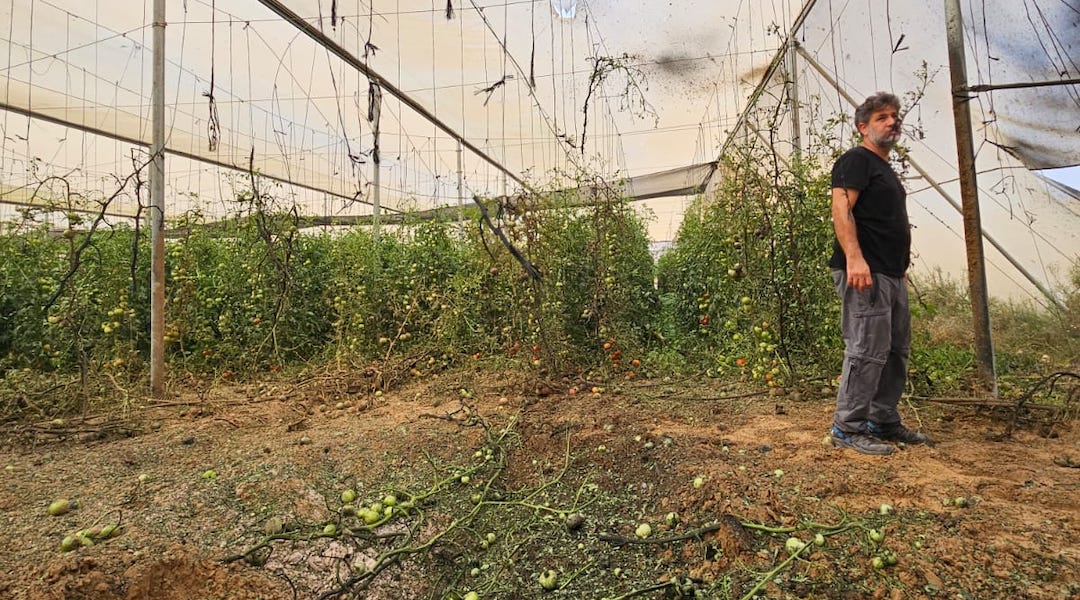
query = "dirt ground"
{"x": 723, "y": 474}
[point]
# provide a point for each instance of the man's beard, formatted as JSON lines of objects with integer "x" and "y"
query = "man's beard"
{"x": 888, "y": 140}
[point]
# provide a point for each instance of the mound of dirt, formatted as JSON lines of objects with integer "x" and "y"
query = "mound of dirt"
{"x": 177, "y": 573}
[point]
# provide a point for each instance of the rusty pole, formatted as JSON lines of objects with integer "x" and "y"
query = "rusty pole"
{"x": 969, "y": 198}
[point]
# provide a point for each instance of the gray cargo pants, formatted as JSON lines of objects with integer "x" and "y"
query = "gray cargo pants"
{"x": 876, "y": 325}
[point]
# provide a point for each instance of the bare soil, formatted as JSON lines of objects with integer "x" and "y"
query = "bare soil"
{"x": 627, "y": 455}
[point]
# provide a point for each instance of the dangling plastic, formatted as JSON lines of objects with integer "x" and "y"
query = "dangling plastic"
{"x": 565, "y": 8}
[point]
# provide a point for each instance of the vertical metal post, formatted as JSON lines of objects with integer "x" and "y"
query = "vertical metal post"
{"x": 157, "y": 207}
{"x": 375, "y": 196}
{"x": 969, "y": 197}
{"x": 793, "y": 97}
{"x": 460, "y": 190}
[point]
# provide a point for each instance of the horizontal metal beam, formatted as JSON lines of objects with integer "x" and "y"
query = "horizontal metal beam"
{"x": 320, "y": 38}
{"x": 1015, "y": 86}
{"x": 198, "y": 158}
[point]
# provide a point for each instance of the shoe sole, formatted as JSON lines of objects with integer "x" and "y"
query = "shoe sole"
{"x": 928, "y": 444}
{"x": 841, "y": 444}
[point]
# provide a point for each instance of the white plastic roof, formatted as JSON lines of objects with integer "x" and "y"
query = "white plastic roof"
{"x": 511, "y": 77}
{"x": 303, "y": 111}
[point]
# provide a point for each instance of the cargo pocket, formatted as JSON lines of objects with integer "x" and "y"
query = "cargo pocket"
{"x": 870, "y": 333}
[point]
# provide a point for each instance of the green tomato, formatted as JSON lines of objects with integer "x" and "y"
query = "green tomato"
{"x": 793, "y": 545}
{"x": 643, "y": 531}
{"x": 59, "y": 507}
{"x": 548, "y": 579}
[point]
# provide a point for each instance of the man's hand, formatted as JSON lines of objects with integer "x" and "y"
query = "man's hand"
{"x": 858, "y": 274}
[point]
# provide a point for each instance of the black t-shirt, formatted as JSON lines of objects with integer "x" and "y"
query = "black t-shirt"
{"x": 881, "y": 218}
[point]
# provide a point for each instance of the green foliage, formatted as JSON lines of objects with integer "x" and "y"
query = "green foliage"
{"x": 244, "y": 296}
{"x": 748, "y": 272}
{"x": 65, "y": 299}
{"x": 744, "y": 292}
{"x": 414, "y": 289}
{"x": 597, "y": 292}
{"x": 258, "y": 292}
{"x": 1029, "y": 340}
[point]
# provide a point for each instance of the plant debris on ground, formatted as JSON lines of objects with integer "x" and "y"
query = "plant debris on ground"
{"x": 471, "y": 485}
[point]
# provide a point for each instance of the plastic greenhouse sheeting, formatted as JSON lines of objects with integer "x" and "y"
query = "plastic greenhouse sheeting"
{"x": 641, "y": 93}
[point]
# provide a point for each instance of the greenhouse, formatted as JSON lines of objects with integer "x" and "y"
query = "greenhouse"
{"x": 486, "y": 299}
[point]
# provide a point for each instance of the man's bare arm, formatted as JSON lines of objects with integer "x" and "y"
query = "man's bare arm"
{"x": 858, "y": 272}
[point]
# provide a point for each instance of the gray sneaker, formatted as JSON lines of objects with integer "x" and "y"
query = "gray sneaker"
{"x": 900, "y": 434}
{"x": 863, "y": 443}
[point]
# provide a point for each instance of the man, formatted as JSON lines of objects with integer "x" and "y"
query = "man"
{"x": 871, "y": 254}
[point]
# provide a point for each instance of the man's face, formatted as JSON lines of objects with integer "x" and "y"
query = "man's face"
{"x": 883, "y": 128}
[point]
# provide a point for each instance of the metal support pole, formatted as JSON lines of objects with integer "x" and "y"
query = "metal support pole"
{"x": 157, "y": 207}
{"x": 777, "y": 60}
{"x": 969, "y": 195}
{"x": 460, "y": 190}
{"x": 989, "y": 87}
{"x": 793, "y": 97}
{"x": 375, "y": 196}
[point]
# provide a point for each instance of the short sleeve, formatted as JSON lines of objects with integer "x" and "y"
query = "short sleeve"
{"x": 851, "y": 171}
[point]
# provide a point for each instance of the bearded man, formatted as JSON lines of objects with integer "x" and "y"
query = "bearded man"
{"x": 871, "y": 255}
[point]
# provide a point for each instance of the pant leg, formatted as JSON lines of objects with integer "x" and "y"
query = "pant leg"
{"x": 883, "y": 409}
{"x": 866, "y": 324}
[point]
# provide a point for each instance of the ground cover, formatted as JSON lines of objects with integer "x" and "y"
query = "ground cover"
{"x": 500, "y": 482}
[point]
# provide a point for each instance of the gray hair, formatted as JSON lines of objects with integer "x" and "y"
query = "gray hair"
{"x": 873, "y": 104}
